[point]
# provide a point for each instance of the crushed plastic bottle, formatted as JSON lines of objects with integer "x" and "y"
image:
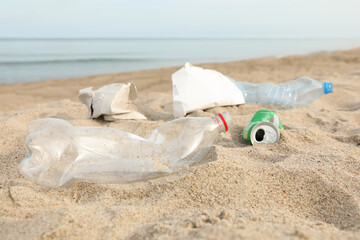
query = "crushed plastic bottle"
{"x": 59, "y": 152}
{"x": 299, "y": 92}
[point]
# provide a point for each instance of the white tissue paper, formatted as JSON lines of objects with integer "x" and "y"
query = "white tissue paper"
{"x": 112, "y": 101}
{"x": 197, "y": 88}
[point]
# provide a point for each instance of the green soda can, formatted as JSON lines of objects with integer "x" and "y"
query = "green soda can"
{"x": 263, "y": 128}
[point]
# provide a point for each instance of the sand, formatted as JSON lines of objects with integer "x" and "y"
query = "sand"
{"x": 306, "y": 186}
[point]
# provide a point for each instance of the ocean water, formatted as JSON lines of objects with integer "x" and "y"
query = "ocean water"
{"x": 31, "y": 60}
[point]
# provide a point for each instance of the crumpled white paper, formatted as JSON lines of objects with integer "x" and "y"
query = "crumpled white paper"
{"x": 112, "y": 101}
{"x": 197, "y": 88}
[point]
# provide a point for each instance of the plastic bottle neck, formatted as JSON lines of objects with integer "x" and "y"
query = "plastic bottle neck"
{"x": 224, "y": 121}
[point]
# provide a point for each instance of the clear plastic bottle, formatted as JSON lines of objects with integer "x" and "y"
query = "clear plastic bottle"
{"x": 299, "y": 92}
{"x": 59, "y": 151}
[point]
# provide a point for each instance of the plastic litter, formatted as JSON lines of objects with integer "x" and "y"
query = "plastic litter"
{"x": 59, "y": 152}
{"x": 299, "y": 92}
{"x": 111, "y": 101}
{"x": 197, "y": 88}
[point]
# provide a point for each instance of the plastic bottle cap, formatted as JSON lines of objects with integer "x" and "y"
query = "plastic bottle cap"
{"x": 328, "y": 87}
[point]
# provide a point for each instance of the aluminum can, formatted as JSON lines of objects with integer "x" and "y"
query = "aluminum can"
{"x": 263, "y": 128}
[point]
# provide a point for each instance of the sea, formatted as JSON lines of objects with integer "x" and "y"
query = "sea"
{"x": 29, "y": 60}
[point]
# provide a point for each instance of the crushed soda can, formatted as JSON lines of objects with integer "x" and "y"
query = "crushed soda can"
{"x": 263, "y": 128}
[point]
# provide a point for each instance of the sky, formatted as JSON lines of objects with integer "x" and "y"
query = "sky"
{"x": 184, "y": 19}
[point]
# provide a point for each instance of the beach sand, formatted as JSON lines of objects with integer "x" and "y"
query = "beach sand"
{"x": 306, "y": 186}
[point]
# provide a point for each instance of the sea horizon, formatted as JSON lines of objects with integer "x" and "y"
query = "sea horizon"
{"x": 38, "y": 59}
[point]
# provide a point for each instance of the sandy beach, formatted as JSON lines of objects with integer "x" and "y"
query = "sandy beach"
{"x": 306, "y": 186}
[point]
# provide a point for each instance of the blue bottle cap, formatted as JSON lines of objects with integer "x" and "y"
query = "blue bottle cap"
{"x": 328, "y": 87}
